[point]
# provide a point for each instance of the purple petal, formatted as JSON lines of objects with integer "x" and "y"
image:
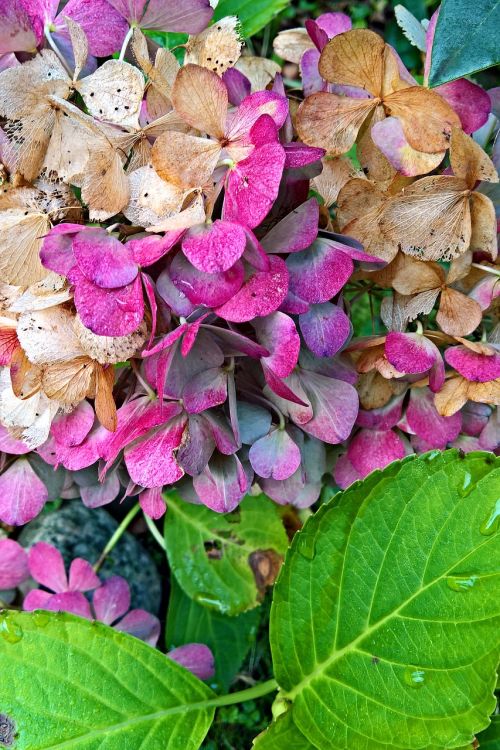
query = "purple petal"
{"x": 103, "y": 493}
{"x": 166, "y": 341}
{"x": 142, "y": 625}
{"x": 236, "y": 343}
{"x": 152, "y": 502}
{"x": 222, "y": 485}
{"x": 476, "y": 367}
{"x": 82, "y": 576}
{"x": 474, "y": 418}
{"x": 318, "y": 273}
{"x": 36, "y": 599}
{"x": 205, "y": 390}
{"x": 147, "y": 250}
{"x": 383, "y": 418}
{"x": 103, "y": 259}
{"x": 296, "y": 231}
{"x": 471, "y": 103}
{"x": 72, "y": 429}
{"x": 196, "y": 657}
{"x": 375, "y": 449}
{"x": 197, "y": 446}
{"x": 254, "y": 422}
{"x": 22, "y": 494}
{"x": 56, "y": 253}
{"x": 277, "y": 332}
{"x": 16, "y": 28}
{"x": 151, "y": 462}
{"x": 281, "y": 388}
{"x": 216, "y": 247}
{"x": 206, "y": 289}
{"x": 175, "y": 299}
{"x": 111, "y": 600}
{"x": 335, "y": 407}
{"x": 13, "y": 564}
{"x": 110, "y": 312}
{"x": 261, "y": 294}
{"x": 312, "y": 82}
{"x": 275, "y": 455}
{"x": 344, "y": 472}
{"x": 104, "y": 27}
{"x": 70, "y": 601}
{"x": 299, "y": 155}
{"x": 47, "y": 567}
{"x": 190, "y": 16}
{"x": 325, "y": 329}
{"x": 221, "y": 433}
{"x": 238, "y": 86}
{"x": 424, "y": 420}
{"x": 132, "y": 10}
{"x": 489, "y": 439}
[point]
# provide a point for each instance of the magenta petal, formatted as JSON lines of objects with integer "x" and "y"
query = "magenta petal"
{"x": 312, "y": 82}
{"x": 383, "y": 418}
{"x": 82, "y": 576}
{"x": 152, "y": 502}
{"x": 264, "y": 131}
{"x": 280, "y": 388}
{"x": 151, "y": 461}
{"x": 238, "y": 86}
{"x": 260, "y": 103}
{"x": 103, "y": 493}
{"x": 325, "y": 329}
{"x": 221, "y": 432}
{"x": 16, "y": 28}
{"x": 275, "y": 455}
{"x": 471, "y": 103}
{"x": 424, "y": 420}
{"x": 85, "y": 454}
{"x": 72, "y": 429}
{"x": 189, "y": 16}
{"x": 252, "y": 185}
{"x": 166, "y": 341}
{"x": 344, "y": 472}
{"x": 36, "y": 599}
{"x": 205, "y": 390}
{"x": 222, "y": 485}
{"x": 147, "y": 250}
{"x": 318, "y": 273}
{"x": 56, "y": 252}
{"x": 375, "y": 449}
{"x": 473, "y": 366}
{"x": 13, "y": 564}
{"x": 334, "y": 23}
{"x": 22, "y": 494}
{"x": 335, "y": 407}
{"x": 196, "y": 657}
{"x": 175, "y": 299}
{"x": 216, "y": 247}
{"x": 110, "y": 312}
{"x": 299, "y": 155}
{"x": 410, "y": 352}
{"x": 8, "y": 444}
{"x": 47, "y": 567}
{"x": 277, "y": 332}
{"x": 140, "y": 624}
{"x": 261, "y": 294}
{"x": 296, "y": 231}
{"x": 202, "y": 288}
{"x": 104, "y": 260}
{"x": 70, "y": 601}
{"x": 111, "y": 600}
{"x": 104, "y": 27}
{"x": 255, "y": 253}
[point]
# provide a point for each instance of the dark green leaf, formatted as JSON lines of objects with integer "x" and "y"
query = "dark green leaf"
{"x": 490, "y": 738}
{"x": 229, "y": 638}
{"x": 221, "y": 561}
{"x": 466, "y": 39}
{"x": 385, "y": 619}
{"x": 282, "y": 734}
{"x": 82, "y": 685}
{"x": 253, "y": 14}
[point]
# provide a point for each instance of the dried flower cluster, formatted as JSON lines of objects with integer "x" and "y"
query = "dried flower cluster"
{"x": 182, "y": 249}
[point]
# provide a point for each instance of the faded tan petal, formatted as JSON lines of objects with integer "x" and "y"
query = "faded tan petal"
{"x": 185, "y": 160}
{"x": 291, "y": 44}
{"x": 114, "y": 93}
{"x": 337, "y": 171}
{"x": 469, "y": 161}
{"x": 332, "y": 122}
{"x": 452, "y": 396}
{"x": 484, "y": 225}
{"x": 151, "y": 199}
{"x": 458, "y": 315}
{"x": 355, "y": 58}
{"x": 200, "y": 98}
{"x": 259, "y": 70}
{"x": 71, "y": 381}
{"x": 426, "y": 118}
{"x": 217, "y": 48}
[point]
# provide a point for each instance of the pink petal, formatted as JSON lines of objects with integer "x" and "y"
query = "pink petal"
{"x": 275, "y": 455}
{"x": 221, "y": 433}
{"x": 476, "y": 367}
{"x": 140, "y": 624}
{"x": 22, "y": 494}
{"x": 388, "y": 135}
{"x": 486, "y": 291}
{"x": 261, "y": 294}
{"x": 277, "y": 332}
{"x": 222, "y": 485}
{"x": 474, "y": 418}
{"x": 70, "y": 601}
{"x": 110, "y": 312}
{"x": 152, "y": 502}
{"x": 135, "y": 418}
{"x": 56, "y": 253}
{"x": 251, "y": 108}
{"x": 375, "y": 449}
{"x": 202, "y": 288}
{"x": 344, "y": 472}
{"x": 148, "y": 250}
{"x": 319, "y": 273}
{"x": 383, "y": 418}
{"x": 16, "y": 28}
{"x": 325, "y": 328}
{"x": 82, "y": 576}
{"x": 471, "y": 103}
{"x": 333, "y": 23}
{"x": 296, "y": 231}
{"x": 252, "y": 185}
{"x": 205, "y": 390}
{"x": 410, "y": 352}
{"x": 335, "y": 407}
{"x": 85, "y": 454}
{"x": 281, "y": 388}
{"x": 216, "y": 247}
{"x": 166, "y": 341}
{"x": 189, "y": 16}
{"x": 46, "y": 565}
{"x": 8, "y": 444}
{"x": 196, "y": 657}
{"x": 111, "y": 600}
{"x": 489, "y": 439}
{"x": 36, "y": 599}
{"x": 13, "y": 564}
{"x": 72, "y": 429}
{"x": 264, "y": 131}
{"x": 255, "y": 253}
{"x": 429, "y": 40}
{"x": 132, "y": 10}
{"x": 103, "y": 493}
{"x": 424, "y": 420}
{"x": 103, "y": 259}
{"x": 151, "y": 461}
{"x": 104, "y": 27}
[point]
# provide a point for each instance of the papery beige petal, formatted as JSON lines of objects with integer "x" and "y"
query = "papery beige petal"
{"x": 79, "y": 43}
{"x": 414, "y": 276}
{"x": 332, "y": 122}
{"x": 452, "y": 396}
{"x": 114, "y": 93}
{"x": 413, "y": 305}
{"x": 355, "y": 58}
{"x": 375, "y": 165}
{"x": 51, "y": 291}
{"x": 217, "y": 48}
{"x": 24, "y": 88}
{"x": 70, "y": 381}
{"x": 259, "y": 70}
{"x": 485, "y": 393}
{"x": 427, "y": 119}
{"x": 109, "y": 349}
{"x": 375, "y": 359}
{"x": 21, "y": 237}
{"x": 193, "y": 214}
{"x": 29, "y": 139}
{"x": 469, "y": 161}
{"x": 458, "y": 315}
{"x": 291, "y": 44}
{"x": 105, "y": 186}
{"x": 430, "y": 219}
{"x": 200, "y": 98}
{"x": 484, "y": 225}
{"x": 185, "y": 160}
{"x": 152, "y": 199}
{"x": 26, "y": 419}
{"x": 459, "y": 268}
{"x": 337, "y": 171}
{"x": 68, "y": 151}
{"x": 105, "y": 407}
{"x": 48, "y": 336}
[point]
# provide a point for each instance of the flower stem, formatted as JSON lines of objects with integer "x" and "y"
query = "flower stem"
{"x": 154, "y": 531}
{"x": 489, "y": 269}
{"x": 125, "y": 43}
{"x": 57, "y": 51}
{"x": 115, "y": 538}
{"x": 257, "y": 691}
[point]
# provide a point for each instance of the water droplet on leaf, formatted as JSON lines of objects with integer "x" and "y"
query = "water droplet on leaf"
{"x": 461, "y": 583}
{"x": 40, "y": 618}
{"x": 491, "y": 524}
{"x": 10, "y": 630}
{"x": 307, "y": 545}
{"x": 465, "y": 484}
{"x": 414, "y": 677}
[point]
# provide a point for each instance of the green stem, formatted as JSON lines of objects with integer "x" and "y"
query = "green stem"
{"x": 154, "y": 531}
{"x": 117, "y": 535}
{"x": 57, "y": 51}
{"x": 257, "y": 691}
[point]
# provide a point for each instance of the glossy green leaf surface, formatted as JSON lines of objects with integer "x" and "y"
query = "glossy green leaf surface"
{"x": 224, "y": 561}
{"x": 82, "y": 685}
{"x": 385, "y": 619}
{"x": 466, "y": 39}
{"x": 229, "y": 638}
{"x": 253, "y": 14}
{"x": 282, "y": 734}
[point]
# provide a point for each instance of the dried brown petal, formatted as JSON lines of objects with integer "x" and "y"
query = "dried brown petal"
{"x": 484, "y": 225}
{"x": 332, "y": 122}
{"x": 105, "y": 407}
{"x": 427, "y": 119}
{"x": 452, "y": 396}
{"x": 469, "y": 161}
{"x": 69, "y": 382}
{"x": 458, "y": 315}
{"x": 355, "y": 58}
{"x": 217, "y": 48}
{"x": 200, "y": 98}
{"x": 185, "y": 160}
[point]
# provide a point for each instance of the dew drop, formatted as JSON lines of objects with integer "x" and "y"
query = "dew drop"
{"x": 10, "y": 630}
{"x": 491, "y": 524}
{"x": 465, "y": 484}
{"x": 414, "y": 677}
{"x": 461, "y": 583}
{"x": 307, "y": 545}
{"x": 40, "y": 618}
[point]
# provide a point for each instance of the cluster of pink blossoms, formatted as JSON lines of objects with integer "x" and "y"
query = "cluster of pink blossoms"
{"x": 177, "y": 310}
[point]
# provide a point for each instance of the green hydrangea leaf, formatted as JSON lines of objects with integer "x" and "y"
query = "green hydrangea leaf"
{"x": 225, "y": 561}
{"x": 490, "y": 738}
{"x": 78, "y": 684}
{"x": 282, "y": 734}
{"x": 466, "y": 39}
{"x": 229, "y": 638}
{"x": 252, "y": 14}
{"x": 385, "y": 618}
